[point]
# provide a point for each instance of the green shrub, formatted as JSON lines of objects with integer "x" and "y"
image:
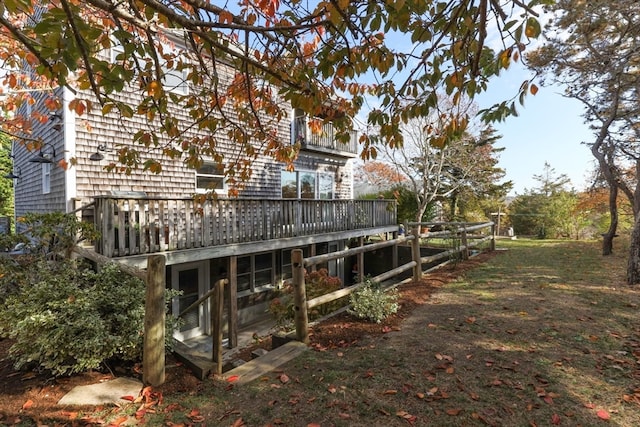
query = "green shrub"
{"x": 317, "y": 283}
{"x": 372, "y": 303}
{"x": 67, "y": 318}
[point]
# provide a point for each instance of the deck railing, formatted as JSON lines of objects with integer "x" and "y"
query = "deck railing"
{"x": 133, "y": 226}
{"x": 324, "y": 141}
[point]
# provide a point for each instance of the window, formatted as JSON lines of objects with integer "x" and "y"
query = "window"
{"x": 306, "y": 185}
{"x": 210, "y": 176}
{"x": 173, "y": 80}
{"x": 289, "y": 185}
{"x": 46, "y": 178}
{"x": 325, "y": 186}
{"x": 255, "y": 272}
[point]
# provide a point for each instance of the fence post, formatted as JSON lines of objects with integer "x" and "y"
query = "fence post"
{"x": 217, "y": 309}
{"x": 299, "y": 296}
{"x": 415, "y": 253}
{"x": 153, "y": 358}
{"x": 464, "y": 243}
{"x": 493, "y": 236}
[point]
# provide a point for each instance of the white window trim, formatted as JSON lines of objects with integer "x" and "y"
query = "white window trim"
{"x": 252, "y": 275}
{"x": 220, "y": 191}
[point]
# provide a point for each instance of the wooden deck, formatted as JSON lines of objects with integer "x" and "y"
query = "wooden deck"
{"x": 132, "y": 226}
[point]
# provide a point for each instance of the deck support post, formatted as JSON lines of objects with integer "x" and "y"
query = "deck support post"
{"x": 360, "y": 261}
{"x": 299, "y": 297}
{"x": 217, "y": 310}
{"x": 153, "y": 357}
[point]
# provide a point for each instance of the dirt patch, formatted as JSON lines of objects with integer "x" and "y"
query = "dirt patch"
{"x": 34, "y": 395}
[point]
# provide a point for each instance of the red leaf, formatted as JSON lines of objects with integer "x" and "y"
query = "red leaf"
{"x": 129, "y": 398}
{"x": 454, "y": 411}
{"x": 284, "y": 378}
{"x": 232, "y": 378}
{"x": 555, "y": 419}
{"x": 119, "y": 421}
{"x": 28, "y": 404}
{"x": 603, "y": 415}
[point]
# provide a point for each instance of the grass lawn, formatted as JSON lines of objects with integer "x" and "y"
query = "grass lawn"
{"x": 544, "y": 333}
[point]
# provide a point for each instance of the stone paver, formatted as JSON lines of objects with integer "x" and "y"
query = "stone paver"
{"x": 108, "y": 392}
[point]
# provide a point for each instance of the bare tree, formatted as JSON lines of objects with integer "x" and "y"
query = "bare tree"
{"x": 439, "y": 160}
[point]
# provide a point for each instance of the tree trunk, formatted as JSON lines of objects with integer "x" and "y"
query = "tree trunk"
{"x": 607, "y": 238}
{"x": 454, "y": 206}
{"x": 633, "y": 266}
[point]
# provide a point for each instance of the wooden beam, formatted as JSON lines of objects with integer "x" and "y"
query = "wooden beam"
{"x": 232, "y": 314}
{"x": 102, "y": 260}
{"x": 299, "y": 297}
{"x": 153, "y": 357}
{"x": 217, "y": 310}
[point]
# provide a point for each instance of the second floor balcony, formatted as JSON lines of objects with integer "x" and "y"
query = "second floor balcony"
{"x": 136, "y": 226}
{"x": 324, "y": 141}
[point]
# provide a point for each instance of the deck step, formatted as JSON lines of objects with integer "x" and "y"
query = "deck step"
{"x": 265, "y": 364}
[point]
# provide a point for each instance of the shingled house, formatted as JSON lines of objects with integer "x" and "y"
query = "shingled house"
{"x": 247, "y": 238}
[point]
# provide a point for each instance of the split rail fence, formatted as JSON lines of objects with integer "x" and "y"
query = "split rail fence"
{"x": 465, "y": 235}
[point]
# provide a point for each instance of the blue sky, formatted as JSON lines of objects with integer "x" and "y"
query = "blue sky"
{"x": 549, "y": 129}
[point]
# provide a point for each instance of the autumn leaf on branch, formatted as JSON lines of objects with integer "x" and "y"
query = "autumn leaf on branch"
{"x": 241, "y": 71}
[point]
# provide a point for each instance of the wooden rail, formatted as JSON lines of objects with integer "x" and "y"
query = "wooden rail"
{"x": 134, "y": 226}
{"x": 458, "y": 230}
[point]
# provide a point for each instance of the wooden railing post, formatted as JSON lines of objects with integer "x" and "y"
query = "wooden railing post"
{"x": 217, "y": 310}
{"x": 153, "y": 358}
{"x": 415, "y": 253}
{"x": 299, "y": 297}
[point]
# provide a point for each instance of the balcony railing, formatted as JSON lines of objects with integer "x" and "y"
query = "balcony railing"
{"x": 134, "y": 226}
{"x": 325, "y": 141}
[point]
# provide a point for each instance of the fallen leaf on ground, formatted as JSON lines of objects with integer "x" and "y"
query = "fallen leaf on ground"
{"x": 28, "y": 404}
{"x": 603, "y": 415}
